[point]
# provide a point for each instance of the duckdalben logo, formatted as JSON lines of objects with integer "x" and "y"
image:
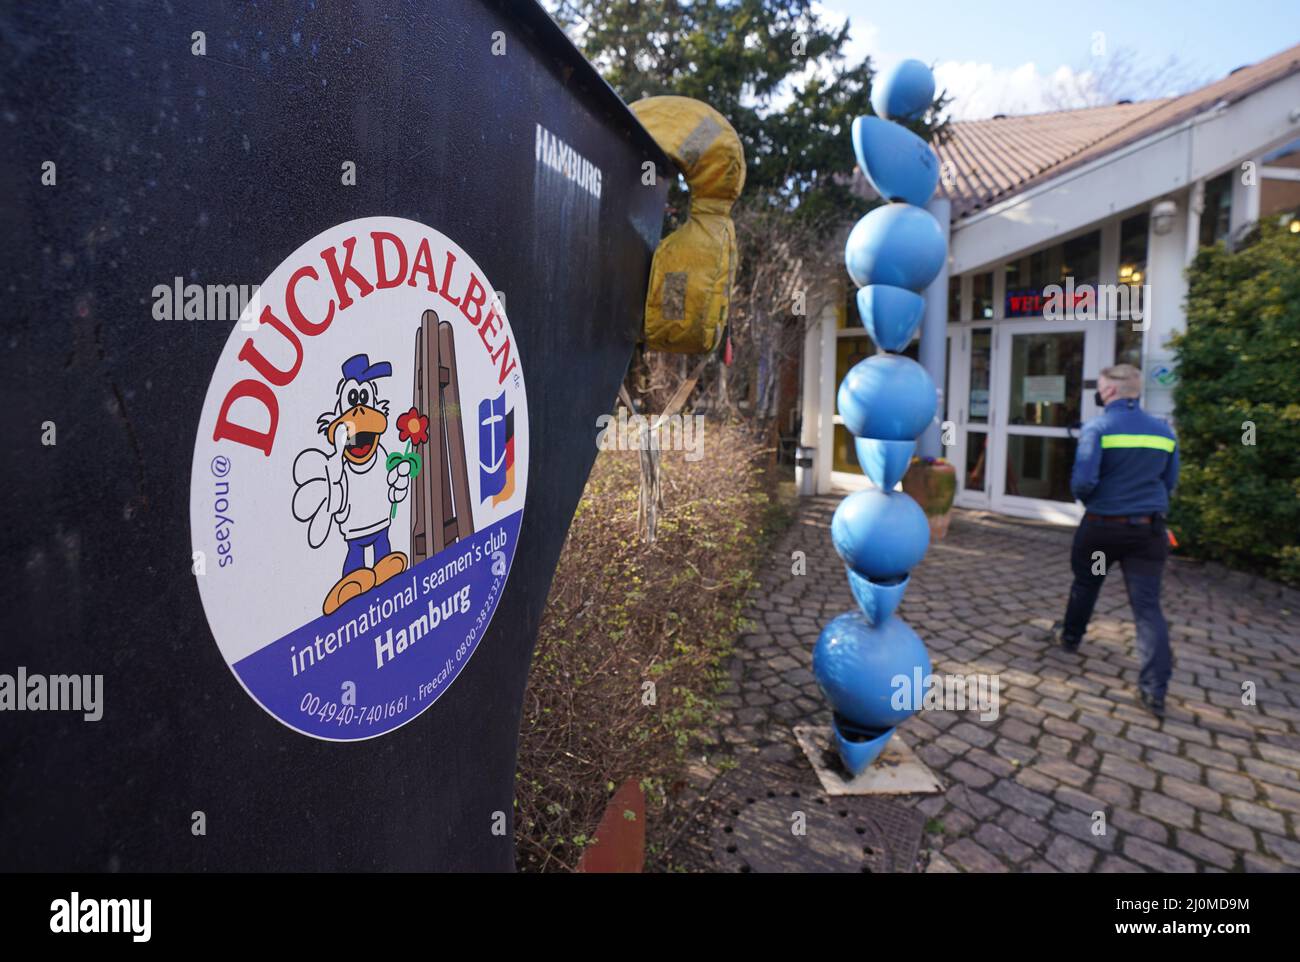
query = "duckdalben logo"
{"x": 371, "y": 559}
{"x": 75, "y": 915}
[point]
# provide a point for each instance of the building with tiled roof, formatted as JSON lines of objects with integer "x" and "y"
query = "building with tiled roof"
{"x": 1110, "y": 203}
{"x": 987, "y": 160}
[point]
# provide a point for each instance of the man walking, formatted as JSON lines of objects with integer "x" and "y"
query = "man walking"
{"x": 1125, "y": 469}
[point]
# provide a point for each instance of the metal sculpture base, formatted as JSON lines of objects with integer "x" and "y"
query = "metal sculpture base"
{"x": 898, "y": 770}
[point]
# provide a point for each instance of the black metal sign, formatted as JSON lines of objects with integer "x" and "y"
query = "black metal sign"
{"x": 163, "y": 162}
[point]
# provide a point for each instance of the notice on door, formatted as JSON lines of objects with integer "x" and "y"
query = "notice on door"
{"x": 1044, "y": 389}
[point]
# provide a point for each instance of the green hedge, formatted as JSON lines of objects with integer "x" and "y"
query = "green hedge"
{"x": 1239, "y": 362}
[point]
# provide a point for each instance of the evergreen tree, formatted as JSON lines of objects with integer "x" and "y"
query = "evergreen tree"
{"x": 774, "y": 68}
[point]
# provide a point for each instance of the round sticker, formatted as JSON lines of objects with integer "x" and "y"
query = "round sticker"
{"x": 359, "y": 478}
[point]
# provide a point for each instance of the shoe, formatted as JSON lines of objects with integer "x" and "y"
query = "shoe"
{"x": 351, "y": 585}
{"x": 1152, "y": 704}
{"x": 389, "y": 566}
{"x": 1058, "y": 636}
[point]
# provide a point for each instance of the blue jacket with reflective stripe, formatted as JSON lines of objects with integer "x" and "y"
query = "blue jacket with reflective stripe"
{"x": 1126, "y": 462}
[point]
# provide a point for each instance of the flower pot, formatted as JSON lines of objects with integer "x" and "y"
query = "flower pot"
{"x": 932, "y": 483}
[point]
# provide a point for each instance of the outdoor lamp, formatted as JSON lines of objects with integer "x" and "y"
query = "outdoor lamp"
{"x": 1162, "y": 216}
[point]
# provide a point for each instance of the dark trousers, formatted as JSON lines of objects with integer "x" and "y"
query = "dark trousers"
{"x": 356, "y": 556}
{"x": 1140, "y": 549}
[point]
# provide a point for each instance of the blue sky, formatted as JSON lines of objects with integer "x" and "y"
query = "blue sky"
{"x": 1018, "y": 56}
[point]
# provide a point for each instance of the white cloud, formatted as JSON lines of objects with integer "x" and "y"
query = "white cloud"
{"x": 980, "y": 90}
{"x": 862, "y": 42}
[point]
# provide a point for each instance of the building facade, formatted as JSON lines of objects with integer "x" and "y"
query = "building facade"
{"x": 1070, "y": 234}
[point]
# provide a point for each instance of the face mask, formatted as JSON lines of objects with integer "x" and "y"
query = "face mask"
{"x": 1097, "y": 397}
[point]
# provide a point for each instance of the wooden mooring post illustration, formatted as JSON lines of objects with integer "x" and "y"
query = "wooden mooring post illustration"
{"x": 441, "y": 512}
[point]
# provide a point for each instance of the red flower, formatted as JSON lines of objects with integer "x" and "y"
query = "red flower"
{"x": 413, "y": 426}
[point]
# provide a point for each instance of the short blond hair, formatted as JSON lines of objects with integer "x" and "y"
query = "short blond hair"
{"x": 1126, "y": 378}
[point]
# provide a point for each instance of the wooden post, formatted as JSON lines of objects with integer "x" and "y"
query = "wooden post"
{"x": 426, "y": 534}
{"x": 460, "y": 519}
{"x": 441, "y": 512}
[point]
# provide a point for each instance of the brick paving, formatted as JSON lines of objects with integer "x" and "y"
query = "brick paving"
{"x": 1214, "y": 787}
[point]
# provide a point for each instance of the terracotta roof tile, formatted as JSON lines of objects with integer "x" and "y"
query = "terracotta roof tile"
{"x": 990, "y": 160}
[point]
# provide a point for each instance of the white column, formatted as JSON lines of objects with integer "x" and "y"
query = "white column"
{"x": 810, "y": 376}
{"x": 1195, "y": 208}
{"x": 824, "y": 460}
{"x": 1245, "y": 197}
{"x": 1102, "y": 353}
{"x": 934, "y": 329}
{"x": 1166, "y": 259}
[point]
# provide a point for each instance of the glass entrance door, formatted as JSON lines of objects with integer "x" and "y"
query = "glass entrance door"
{"x": 1040, "y": 401}
{"x": 971, "y": 408}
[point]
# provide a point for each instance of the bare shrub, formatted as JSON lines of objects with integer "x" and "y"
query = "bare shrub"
{"x": 622, "y": 614}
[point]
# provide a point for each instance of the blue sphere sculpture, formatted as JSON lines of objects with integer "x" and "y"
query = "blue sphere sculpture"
{"x": 858, "y": 667}
{"x": 903, "y": 93}
{"x": 858, "y": 747}
{"x": 887, "y": 396}
{"x": 890, "y": 315}
{"x": 880, "y": 534}
{"x": 884, "y": 462}
{"x": 899, "y": 164}
{"x": 869, "y": 663}
{"x": 896, "y": 244}
{"x": 877, "y": 599}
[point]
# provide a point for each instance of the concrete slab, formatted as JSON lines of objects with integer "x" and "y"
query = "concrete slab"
{"x": 898, "y": 770}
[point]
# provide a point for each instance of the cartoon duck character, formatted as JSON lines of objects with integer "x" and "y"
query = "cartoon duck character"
{"x": 351, "y": 485}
